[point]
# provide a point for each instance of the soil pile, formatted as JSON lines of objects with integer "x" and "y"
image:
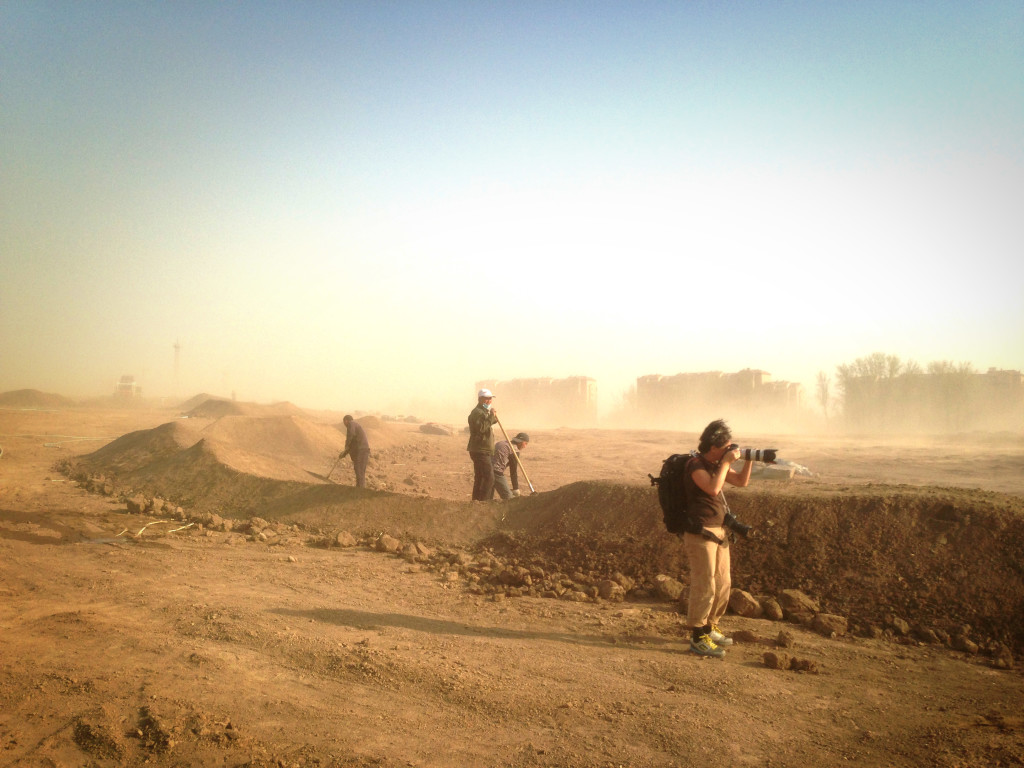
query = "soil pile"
{"x": 214, "y": 408}
{"x": 937, "y": 558}
{"x": 33, "y": 398}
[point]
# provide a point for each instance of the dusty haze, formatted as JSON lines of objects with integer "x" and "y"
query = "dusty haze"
{"x": 361, "y": 207}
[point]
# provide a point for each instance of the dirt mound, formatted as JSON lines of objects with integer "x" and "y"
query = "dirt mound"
{"x": 282, "y": 448}
{"x": 196, "y": 400}
{"x": 138, "y": 450}
{"x": 935, "y": 557}
{"x": 214, "y": 408}
{"x": 33, "y": 398}
{"x": 286, "y": 438}
{"x": 243, "y": 467}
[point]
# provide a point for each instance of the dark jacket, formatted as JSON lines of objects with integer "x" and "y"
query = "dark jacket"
{"x": 503, "y": 458}
{"x": 481, "y": 439}
{"x": 355, "y": 438}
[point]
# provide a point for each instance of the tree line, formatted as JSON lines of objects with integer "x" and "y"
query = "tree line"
{"x": 882, "y": 393}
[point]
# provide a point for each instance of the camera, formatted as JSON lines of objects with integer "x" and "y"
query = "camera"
{"x": 737, "y": 527}
{"x": 766, "y": 455}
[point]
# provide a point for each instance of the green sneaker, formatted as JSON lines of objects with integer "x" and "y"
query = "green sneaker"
{"x": 718, "y": 638}
{"x": 705, "y": 646}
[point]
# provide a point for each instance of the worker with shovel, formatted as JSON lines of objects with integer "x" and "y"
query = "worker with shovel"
{"x": 506, "y": 456}
{"x": 358, "y": 447}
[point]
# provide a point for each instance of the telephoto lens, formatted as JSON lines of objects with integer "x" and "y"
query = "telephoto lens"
{"x": 767, "y": 455}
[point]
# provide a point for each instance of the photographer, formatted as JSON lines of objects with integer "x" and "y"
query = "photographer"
{"x": 708, "y": 551}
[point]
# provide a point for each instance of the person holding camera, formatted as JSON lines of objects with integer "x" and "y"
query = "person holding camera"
{"x": 707, "y": 552}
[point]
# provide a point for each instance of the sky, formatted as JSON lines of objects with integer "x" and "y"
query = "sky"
{"x": 373, "y": 205}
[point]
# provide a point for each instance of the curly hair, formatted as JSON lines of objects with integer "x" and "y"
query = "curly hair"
{"x": 715, "y": 435}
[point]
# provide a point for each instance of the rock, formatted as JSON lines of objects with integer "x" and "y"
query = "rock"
{"x": 668, "y": 587}
{"x": 899, "y": 627}
{"x": 774, "y": 660}
{"x": 623, "y": 581}
{"x": 829, "y": 624}
{"x": 744, "y": 636}
{"x": 611, "y": 590}
{"x": 409, "y": 553}
{"x": 156, "y": 505}
{"x": 743, "y": 604}
{"x": 136, "y": 504}
{"x": 1002, "y": 658}
{"x": 803, "y": 665}
{"x": 345, "y": 539}
{"x": 965, "y": 644}
{"x": 423, "y": 550}
{"x": 926, "y": 635}
{"x": 386, "y": 543}
{"x": 786, "y": 639}
{"x": 772, "y": 609}
{"x": 515, "y": 576}
{"x": 797, "y": 606}
{"x": 873, "y": 631}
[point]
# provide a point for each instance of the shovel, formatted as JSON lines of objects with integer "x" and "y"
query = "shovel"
{"x": 327, "y": 477}
{"x": 518, "y": 461}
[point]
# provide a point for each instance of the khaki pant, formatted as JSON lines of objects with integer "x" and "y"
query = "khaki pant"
{"x": 710, "y": 579}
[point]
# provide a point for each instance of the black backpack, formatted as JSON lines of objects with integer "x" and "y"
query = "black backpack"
{"x": 672, "y": 495}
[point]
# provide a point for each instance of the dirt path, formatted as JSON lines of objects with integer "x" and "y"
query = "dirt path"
{"x": 204, "y": 648}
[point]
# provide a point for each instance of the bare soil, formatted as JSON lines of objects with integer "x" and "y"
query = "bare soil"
{"x": 252, "y": 638}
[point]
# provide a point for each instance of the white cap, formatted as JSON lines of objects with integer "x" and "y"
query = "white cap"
{"x": 484, "y": 393}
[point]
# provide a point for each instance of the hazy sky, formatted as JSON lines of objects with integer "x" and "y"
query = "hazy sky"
{"x": 372, "y": 205}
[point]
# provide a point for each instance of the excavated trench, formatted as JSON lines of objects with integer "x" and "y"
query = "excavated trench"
{"x": 937, "y": 558}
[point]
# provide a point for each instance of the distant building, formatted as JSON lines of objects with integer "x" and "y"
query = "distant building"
{"x": 127, "y": 389}
{"x": 545, "y": 402}
{"x": 694, "y": 398}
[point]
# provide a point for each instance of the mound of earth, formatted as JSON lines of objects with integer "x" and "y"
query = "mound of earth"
{"x": 938, "y": 558}
{"x": 33, "y": 398}
{"x": 143, "y": 448}
{"x": 273, "y": 467}
{"x": 285, "y": 448}
{"x": 196, "y": 400}
{"x": 214, "y": 408}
